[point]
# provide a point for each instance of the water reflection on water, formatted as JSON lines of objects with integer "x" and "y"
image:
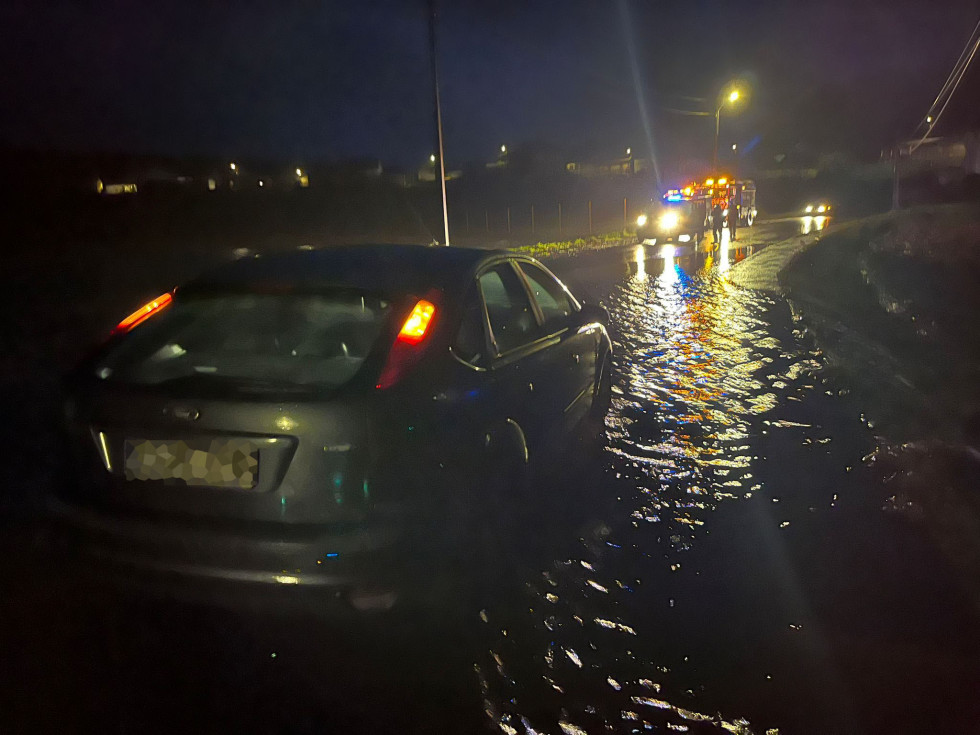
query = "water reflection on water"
{"x": 593, "y": 643}
{"x": 813, "y": 224}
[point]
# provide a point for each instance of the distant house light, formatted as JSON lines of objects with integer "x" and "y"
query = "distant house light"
{"x": 212, "y": 184}
{"x": 113, "y": 189}
{"x": 261, "y": 182}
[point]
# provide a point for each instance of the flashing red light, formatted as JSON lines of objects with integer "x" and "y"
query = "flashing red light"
{"x": 143, "y": 313}
{"x": 406, "y": 349}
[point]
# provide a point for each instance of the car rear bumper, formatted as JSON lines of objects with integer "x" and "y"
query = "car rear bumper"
{"x": 198, "y": 557}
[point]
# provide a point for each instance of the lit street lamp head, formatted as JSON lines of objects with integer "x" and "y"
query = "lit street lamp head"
{"x": 733, "y": 96}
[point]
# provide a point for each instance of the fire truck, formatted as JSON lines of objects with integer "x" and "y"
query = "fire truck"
{"x": 730, "y": 194}
{"x": 684, "y": 215}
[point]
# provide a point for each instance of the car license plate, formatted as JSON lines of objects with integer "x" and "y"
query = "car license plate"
{"x": 232, "y": 463}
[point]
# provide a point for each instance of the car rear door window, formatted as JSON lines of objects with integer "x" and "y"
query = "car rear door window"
{"x": 470, "y": 343}
{"x": 512, "y": 320}
{"x": 552, "y": 299}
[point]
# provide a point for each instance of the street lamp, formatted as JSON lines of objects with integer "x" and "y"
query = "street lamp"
{"x": 731, "y": 98}
{"x": 629, "y": 152}
{"x": 503, "y": 149}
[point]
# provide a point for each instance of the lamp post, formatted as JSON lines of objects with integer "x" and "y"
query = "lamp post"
{"x": 433, "y": 58}
{"x": 732, "y": 97}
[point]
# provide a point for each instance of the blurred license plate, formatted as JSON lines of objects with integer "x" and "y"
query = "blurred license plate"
{"x": 215, "y": 463}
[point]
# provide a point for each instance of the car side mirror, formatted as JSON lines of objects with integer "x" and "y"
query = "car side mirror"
{"x": 594, "y": 313}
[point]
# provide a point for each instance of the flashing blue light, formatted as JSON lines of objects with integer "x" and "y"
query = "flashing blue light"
{"x": 675, "y": 198}
{"x": 332, "y": 554}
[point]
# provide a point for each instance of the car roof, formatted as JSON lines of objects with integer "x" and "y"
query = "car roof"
{"x": 379, "y": 268}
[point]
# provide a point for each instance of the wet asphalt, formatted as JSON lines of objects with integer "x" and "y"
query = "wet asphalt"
{"x": 723, "y": 562}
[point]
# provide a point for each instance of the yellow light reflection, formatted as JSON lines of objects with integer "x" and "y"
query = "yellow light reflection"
{"x": 105, "y": 452}
{"x": 724, "y": 262}
{"x": 669, "y": 274}
{"x": 641, "y": 263}
{"x": 285, "y": 423}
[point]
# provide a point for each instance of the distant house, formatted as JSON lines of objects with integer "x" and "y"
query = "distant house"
{"x": 114, "y": 188}
{"x": 626, "y": 166}
{"x": 948, "y": 152}
{"x": 430, "y": 172}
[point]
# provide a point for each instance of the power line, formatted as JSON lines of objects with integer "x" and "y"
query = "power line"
{"x": 955, "y": 71}
{"x": 956, "y": 76}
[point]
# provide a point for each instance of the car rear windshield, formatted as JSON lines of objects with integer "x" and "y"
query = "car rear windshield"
{"x": 251, "y": 342}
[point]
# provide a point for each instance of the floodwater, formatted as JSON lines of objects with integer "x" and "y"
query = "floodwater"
{"x": 726, "y": 562}
{"x": 739, "y": 571}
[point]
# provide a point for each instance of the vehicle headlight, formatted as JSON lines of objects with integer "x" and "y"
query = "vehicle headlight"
{"x": 641, "y": 220}
{"x": 809, "y": 208}
{"x": 822, "y": 208}
{"x": 668, "y": 221}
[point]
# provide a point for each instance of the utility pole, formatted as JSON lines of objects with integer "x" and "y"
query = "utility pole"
{"x": 714, "y": 159}
{"x": 435, "y": 88}
{"x": 896, "y": 192}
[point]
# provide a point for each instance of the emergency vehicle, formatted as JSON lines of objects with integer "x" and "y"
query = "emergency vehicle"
{"x": 731, "y": 193}
{"x": 681, "y": 215}
{"x": 684, "y": 215}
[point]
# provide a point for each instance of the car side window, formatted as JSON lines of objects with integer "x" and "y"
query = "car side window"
{"x": 551, "y": 297}
{"x": 512, "y": 320}
{"x": 470, "y": 343}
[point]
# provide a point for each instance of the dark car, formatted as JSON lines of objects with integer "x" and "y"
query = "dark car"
{"x": 317, "y": 418}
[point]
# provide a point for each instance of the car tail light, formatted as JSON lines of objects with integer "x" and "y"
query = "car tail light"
{"x": 407, "y": 347}
{"x": 143, "y": 313}
{"x": 417, "y": 324}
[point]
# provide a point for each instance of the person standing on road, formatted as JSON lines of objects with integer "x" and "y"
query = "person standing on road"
{"x": 716, "y": 222}
{"x": 732, "y": 218}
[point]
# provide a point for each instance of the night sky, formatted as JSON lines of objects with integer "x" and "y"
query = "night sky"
{"x": 333, "y": 80}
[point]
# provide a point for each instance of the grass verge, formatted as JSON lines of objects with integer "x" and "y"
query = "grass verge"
{"x": 893, "y": 302}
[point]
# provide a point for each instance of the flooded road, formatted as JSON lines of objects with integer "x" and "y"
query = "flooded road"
{"x": 740, "y": 571}
{"x": 723, "y": 563}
